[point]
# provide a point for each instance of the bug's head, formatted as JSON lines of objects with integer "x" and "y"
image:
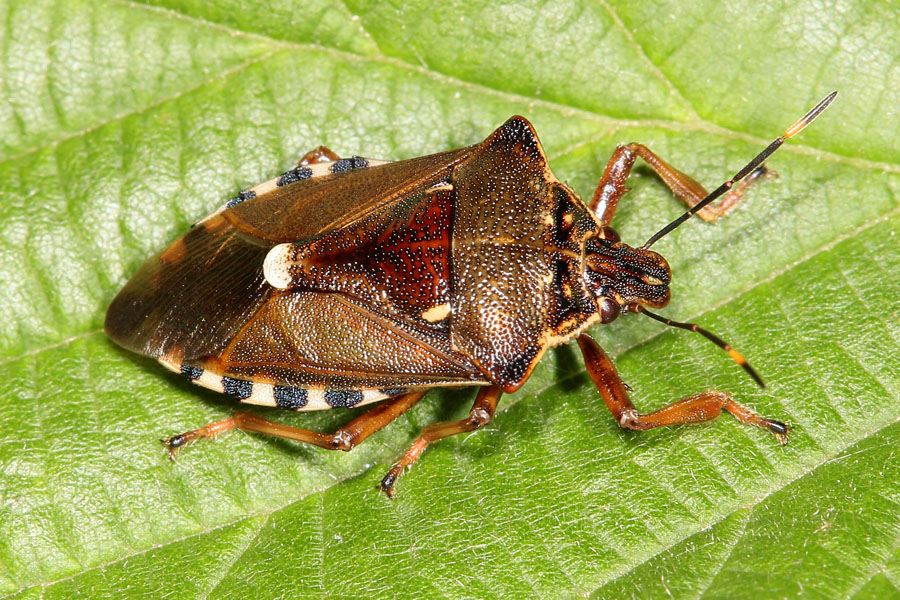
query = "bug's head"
{"x": 633, "y": 279}
{"x": 636, "y": 279}
{"x": 623, "y": 277}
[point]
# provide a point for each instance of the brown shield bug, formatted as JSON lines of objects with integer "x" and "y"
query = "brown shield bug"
{"x": 347, "y": 281}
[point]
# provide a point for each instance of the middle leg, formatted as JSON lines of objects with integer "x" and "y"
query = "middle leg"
{"x": 481, "y": 414}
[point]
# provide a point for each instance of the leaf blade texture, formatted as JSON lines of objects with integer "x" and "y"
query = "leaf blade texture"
{"x": 121, "y": 123}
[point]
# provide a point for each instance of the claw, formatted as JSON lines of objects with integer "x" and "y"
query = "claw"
{"x": 387, "y": 483}
{"x": 780, "y": 430}
{"x": 174, "y": 444}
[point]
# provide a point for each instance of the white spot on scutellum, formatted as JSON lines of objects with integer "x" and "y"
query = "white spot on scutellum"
{"x": 276, "y": 266}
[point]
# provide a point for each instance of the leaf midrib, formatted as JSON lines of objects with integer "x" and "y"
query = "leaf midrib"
{"x": 711, "y": 308}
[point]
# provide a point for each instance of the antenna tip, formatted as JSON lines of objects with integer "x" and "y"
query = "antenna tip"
{"x": 810, "y": 116}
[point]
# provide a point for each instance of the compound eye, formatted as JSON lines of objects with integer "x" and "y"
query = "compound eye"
{"x": 608, "y": 233}
{"x": 609, "y": 309}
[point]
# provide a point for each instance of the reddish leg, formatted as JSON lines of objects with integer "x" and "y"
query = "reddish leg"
{"x": 698, "y": 408}
{"x": 612, "y": 184}
{"x": 345, "y": 438}
{"x": 320, "y": 154}
{"x": 481, "y": 414}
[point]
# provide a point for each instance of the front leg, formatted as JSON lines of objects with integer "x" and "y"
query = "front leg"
{"x": 612, "y": 184}
{"x": 698, "y": 408}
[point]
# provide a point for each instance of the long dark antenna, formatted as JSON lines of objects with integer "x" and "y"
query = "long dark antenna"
{"x": 734, "y": 354}
{"x": 749, "y": 168}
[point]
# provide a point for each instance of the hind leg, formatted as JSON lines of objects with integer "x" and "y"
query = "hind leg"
{"x": 320, "y": 154}
{"x": 345, "y": 438}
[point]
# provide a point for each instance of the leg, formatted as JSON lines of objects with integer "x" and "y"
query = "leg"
{"x": 612, "y": 184}
{"x": 701, "y": 407}
{"x": 345, "y": 438}
{"x": 481, "y": 414}
{"x": 320, "y": 154}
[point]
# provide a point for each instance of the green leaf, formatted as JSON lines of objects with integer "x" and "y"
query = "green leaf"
{"x": 123, "y": 122}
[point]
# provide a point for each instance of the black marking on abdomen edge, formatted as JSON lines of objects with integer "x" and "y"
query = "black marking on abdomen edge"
{"x": 192, "y": 373}
{"x": 245, "y": 195}
{"x": 391, "y": 392}
{"x": 345, "y": 164}
{"x": 237, "y": 387}
{"x": 343, "y": 398}
{"x": 290, "y": 397}
{"x": 294, "y": 175}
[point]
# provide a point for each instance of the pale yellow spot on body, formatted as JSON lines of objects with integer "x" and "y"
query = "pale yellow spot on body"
{"x": 436, "y": 313}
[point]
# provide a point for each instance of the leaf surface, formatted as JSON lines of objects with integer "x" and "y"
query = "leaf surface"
{"x": 123, "y": 122}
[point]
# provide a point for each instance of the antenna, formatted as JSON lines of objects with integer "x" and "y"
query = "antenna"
{"x": 734, "y": 354}
{"x": 749, "y": 168}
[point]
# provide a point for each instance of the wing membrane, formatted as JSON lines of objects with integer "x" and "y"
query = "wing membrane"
{"x": 190, "y": 299}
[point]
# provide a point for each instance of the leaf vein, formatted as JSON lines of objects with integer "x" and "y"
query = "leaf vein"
{"x": 400, "y": 526}
{"x": 196, "y": 534}
{"x": 142, "y": 109}
{"x": 804, "y": 472}
{"x": 673, "y": 90}
{"x": 362, "y": 27}
{"x": 230, "y": 565}
{"x": 718, "y": 568}
{"x": 699, "y": 125}
{"x": 516, "y": 399}
{"x": 852, "y": 355}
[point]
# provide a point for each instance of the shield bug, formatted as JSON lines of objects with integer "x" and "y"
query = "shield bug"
{"x": 347, "y": 281}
